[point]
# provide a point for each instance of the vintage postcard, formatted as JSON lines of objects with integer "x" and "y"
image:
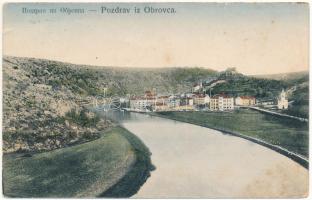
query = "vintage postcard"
{"x": 155, "y": 100}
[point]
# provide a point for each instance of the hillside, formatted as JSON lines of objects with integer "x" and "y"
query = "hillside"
{"x": 87, "y": 80}
{"x": 299, "y": 97}
{"x": 40, "y": 116}
{"x": 260, "y": 88}
{"x": 285, "y": 76}
{"x": 261, "y": 85}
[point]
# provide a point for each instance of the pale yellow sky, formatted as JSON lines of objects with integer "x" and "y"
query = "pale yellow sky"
{"x": 254, "y": 38}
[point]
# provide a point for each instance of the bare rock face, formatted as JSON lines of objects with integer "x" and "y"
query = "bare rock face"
{"x": 36, "y": 98}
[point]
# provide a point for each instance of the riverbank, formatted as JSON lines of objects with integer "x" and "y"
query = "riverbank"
{"x": 115, "y": 165}
{"x": 137, "y": 175}
{"x": 278, "y": 114}
{"x": 286, "y": 136}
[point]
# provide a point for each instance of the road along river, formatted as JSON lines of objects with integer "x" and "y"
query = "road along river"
{"x": 193, "y": 161}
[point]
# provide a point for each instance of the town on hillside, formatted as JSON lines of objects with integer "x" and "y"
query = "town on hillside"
{"x": 199, "y": 99}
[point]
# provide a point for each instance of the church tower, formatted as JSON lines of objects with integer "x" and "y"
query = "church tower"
{"x": 282, "y": 102}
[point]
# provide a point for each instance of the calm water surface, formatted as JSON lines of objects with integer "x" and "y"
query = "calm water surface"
{"x": 193, "y": 161}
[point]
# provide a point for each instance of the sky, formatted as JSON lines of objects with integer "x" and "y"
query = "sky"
{"x": 255, "y": 38}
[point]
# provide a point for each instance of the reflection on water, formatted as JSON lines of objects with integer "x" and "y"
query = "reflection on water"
{"x": 118, "y": 116}
{"x": 193, "y": 161}
{"x": 124, "y": 116}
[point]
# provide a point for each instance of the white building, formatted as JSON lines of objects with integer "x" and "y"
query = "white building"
{"x": 142, "y": 104}
{"x": 282, "y": 101}
{"x": 138, "y": 104}
{"x": 201, "y": 99}
{"x": 221, "y": 103}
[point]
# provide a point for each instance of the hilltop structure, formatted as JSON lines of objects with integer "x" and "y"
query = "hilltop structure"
{"x": 197, "y": 87}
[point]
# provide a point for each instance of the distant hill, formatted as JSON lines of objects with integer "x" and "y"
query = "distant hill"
{"x": 285, "y": 76}
{"x": 88, "y": 80}
{"x": 262, "y": 85}
{"x": 84, "y": 80}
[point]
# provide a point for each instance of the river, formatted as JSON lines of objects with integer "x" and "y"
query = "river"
{"x": 193, "y": 162}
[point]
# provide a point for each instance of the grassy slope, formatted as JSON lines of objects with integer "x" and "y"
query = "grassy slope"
{"x": 85, "y": 170}
{"x": 290, "y": 134}
{"x": 300, "y": 106}
{"x": 138, "y": 174}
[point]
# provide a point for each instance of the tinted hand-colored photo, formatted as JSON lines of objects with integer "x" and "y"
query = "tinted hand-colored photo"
{"x": 155, "y": 100}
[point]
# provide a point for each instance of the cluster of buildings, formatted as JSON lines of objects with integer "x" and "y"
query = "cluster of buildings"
{"x": 152, "y": 102}
{"x": 199, "y": 100}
